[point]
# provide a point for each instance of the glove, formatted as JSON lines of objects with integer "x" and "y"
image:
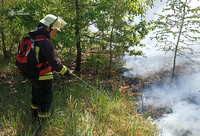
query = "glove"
{"x": 68, "y": 72}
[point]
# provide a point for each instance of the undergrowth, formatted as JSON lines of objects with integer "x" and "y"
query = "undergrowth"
{"x": 76, "y": 110}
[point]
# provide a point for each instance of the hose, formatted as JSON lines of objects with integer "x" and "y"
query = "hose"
{"x": 85, "y": 82}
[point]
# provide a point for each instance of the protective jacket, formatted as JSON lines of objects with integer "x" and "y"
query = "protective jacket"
{"x": 46, "y": 55}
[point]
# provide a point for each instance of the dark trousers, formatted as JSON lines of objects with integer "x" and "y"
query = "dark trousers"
{"x": 41, "y": 97}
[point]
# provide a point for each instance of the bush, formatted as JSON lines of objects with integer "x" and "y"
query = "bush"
{"x": 96, "y": 62}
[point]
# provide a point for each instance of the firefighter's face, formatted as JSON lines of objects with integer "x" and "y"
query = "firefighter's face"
{"x": 53, "y": 33}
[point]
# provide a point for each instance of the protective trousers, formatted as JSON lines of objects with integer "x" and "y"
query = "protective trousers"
{"x": 41, "y": 98}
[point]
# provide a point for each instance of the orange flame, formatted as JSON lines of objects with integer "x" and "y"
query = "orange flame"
{"x": 113, "y": 71}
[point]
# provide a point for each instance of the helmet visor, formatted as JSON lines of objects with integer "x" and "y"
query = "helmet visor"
{"x": 59, "y": 24}
{"x": 63, "y": 23}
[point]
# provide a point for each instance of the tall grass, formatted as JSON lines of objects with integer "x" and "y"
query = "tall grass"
{"x": 76, "y": 111}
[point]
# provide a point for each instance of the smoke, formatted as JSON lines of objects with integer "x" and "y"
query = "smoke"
{"x": 182, "y": 96}
{"x": 154, "y": 62}
{"x": 151, "y": 63}
{"x": 184, "y": 121}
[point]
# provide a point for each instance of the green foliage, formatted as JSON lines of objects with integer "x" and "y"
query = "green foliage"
{"x": 114, "y": 21}
{"x": 10, "y": 32}
{"x": 96, "y": 62}
{"x": 168, "y": 28}
{"x": 119, "y": 17}
{"x": 117, "y": 31}
{"x": 178, "y": 29}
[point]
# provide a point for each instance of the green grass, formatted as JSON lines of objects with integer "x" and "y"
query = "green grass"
{"x": 76, "y": 111}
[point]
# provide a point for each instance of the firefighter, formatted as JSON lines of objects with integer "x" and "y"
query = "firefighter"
{"x": 48, "y": 60}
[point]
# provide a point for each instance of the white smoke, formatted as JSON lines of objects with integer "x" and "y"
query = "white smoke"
{"x": 183, "y": 97}
{"x": 184, "y": 121}
{"x": 156, "y": 60}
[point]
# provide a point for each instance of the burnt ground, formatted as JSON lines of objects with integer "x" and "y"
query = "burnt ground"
{"x": 136, "y": 85}
{"x": 133, "y": 86}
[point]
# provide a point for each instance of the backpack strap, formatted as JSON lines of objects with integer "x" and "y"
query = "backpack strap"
{"x": 32, "y": 46}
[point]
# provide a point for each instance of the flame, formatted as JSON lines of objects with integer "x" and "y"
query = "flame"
{"x": 113, "y": 71}
{"x": 124, "y": 88}
{"x": 136, "y": 93}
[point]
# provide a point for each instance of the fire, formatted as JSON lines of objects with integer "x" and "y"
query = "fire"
{"x": 136, "y": 93}
{"x": 113, "y": 71}
{"x": 123, "y": 88}
{"x": 125, "y": 91}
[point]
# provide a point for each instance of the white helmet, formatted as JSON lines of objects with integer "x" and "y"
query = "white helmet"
{"x": 53, "y": 22}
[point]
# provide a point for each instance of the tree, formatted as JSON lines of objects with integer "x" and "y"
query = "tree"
{"x": 77, "y": 33}
{"x": 117, "y": 30}
{"x": 17, "y": 18}
{"x": 78, "y": 15}
{"x": 8, "y": 32}
{"x": 178, "y": 30}
{"x": 114, "y": 21}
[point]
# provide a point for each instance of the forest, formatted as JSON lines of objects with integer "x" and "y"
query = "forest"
{"x": 101, "y": 96}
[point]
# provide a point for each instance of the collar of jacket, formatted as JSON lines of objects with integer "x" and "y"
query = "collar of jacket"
{"x": 39, "y": 30}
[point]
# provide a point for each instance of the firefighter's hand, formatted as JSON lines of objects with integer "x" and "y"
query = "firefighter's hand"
{"x": 68, "y": 72}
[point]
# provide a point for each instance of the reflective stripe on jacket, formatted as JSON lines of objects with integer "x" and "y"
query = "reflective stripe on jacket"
{"x": 47, "y": 58}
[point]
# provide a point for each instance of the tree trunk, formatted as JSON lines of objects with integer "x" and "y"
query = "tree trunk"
{"x": 110, "y": 63}
{"x": 111, "y": 41}
{"x": 11, "y": 42}
{"x": 78, "y": 43}
{"x": 5, "y": 52}
{"x": 179, "y": 36}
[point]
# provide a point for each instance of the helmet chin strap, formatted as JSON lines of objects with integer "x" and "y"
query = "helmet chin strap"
{"x": 50, "y": 30}
{"x": 51, "y": 25}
